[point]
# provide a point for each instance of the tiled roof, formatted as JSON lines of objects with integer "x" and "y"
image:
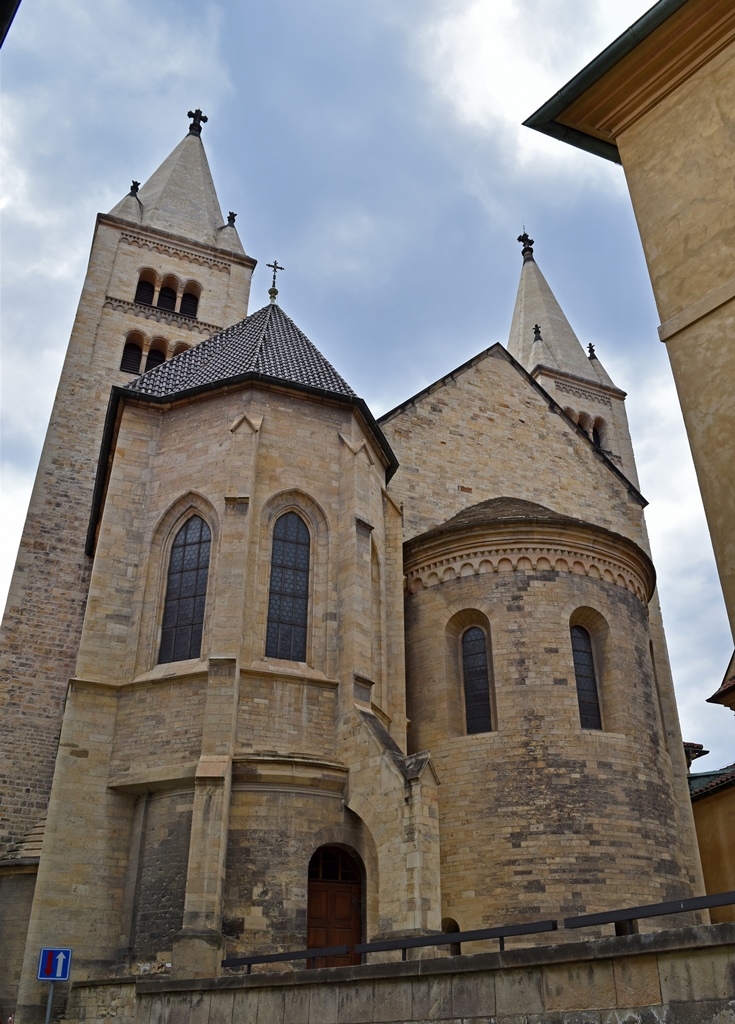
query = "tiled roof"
{"x": 704, "y": 783}
{"x": 501, "y": 510}
{"x": 267, "y": 343}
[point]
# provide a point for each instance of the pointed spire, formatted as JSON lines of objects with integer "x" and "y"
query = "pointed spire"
{"x": 180, "y": 198}
{"x": 536, "y": 305}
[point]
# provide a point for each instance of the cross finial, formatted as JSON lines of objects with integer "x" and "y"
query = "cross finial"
{"x": 134, "y": 188}
{"x": 537, "y": 333}
{"x": 275, "y": 267}
{"x": 231, "y": 219}
{"x": 591, "y": 350}
{"x": 527, "y": 243}
{"x": 198, "y": 119}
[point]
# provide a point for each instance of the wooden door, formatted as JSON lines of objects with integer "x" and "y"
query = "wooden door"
{"x": 334, "y": 909}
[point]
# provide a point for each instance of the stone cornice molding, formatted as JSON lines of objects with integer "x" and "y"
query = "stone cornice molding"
{"x": 578, "y": 385}
{"x": 530, "y": 545}
{"x": 288, "y": 772}
{"x": 162, "y": 316}
{"x": 173, "y": 245}
{"x": 153, "y": 245}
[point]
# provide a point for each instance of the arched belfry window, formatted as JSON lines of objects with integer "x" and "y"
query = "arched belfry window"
{"x": 288, "y": 597}
{"x": 186, "y": 592}
{"x": 144, "y": 292}
{"x": 475, "y": 675}
{"x": 167, "y": 299}
{"x": 189, "y": 304}
{"x": 131, "y": 357}
{"x": 584, "y": 671}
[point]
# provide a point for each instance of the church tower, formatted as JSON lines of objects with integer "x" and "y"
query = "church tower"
{"x": 166, "y": 270}
{"x": 544, "y": 343}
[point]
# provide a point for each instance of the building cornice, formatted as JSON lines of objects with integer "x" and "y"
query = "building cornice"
{"x": 529, "y": 545}
{"x": 162, "y": 316}
{"x": 157, "y": 240}
{"x": 639, "y": 69}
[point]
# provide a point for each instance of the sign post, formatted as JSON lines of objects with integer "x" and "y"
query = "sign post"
{"x": 54, "y": 964}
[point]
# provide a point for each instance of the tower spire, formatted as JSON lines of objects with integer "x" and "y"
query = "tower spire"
{"x": 179, "y": 197}
{"x": 536, "y": 305}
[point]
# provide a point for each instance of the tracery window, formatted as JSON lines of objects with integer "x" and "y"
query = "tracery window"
{"x": 288, "y": 597}
{"x": 584, "y": 671}
{"x": 476, "y": 680}
{"x": 186, "y": 592}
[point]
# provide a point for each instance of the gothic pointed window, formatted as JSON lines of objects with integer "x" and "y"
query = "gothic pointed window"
{"x": 288, "y": 597}
{"x": 584, "y": 671}
{"x": 186, "y": 592}
{"x": 476, "y": 680}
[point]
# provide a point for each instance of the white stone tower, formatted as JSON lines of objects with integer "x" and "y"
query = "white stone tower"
{"x": 166, "y": 270}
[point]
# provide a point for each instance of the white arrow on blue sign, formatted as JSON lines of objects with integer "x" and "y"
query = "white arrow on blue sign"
{"x": 54, "y": 964}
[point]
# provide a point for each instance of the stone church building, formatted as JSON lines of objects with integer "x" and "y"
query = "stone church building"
{"x": 276, "y": 672}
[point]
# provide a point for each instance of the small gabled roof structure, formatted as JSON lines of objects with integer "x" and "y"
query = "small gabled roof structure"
{"x": 702, "y": 784}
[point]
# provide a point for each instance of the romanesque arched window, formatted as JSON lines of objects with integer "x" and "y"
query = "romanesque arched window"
{"x": 288, "y": 596}
{"x": 189, "y": 304}
{"x": 156, "y": 356}
{"x": 584, "y": 671}
{"x": 132, "y": 354}
{"x": 186, "y": 592}
{"x": 144, "y": 292}
{"x": 476, "y": 679}
{"x": 167, "y": 299}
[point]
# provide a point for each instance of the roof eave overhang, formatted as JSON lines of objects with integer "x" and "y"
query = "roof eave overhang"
{"x": 547, "y": 118}
{"x": 119, "y": 395}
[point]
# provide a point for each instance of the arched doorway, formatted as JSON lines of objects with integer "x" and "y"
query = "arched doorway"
{"x": 334, "y": 910}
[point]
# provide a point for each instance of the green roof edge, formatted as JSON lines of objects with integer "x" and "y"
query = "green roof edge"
{"x": 544, "y": 119}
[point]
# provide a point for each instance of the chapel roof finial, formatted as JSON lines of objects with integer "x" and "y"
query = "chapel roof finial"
{"x": 527, "y": 243}
{"x": 273, "y": 291}
{"x": 231, "y": 219}
{"x": 537, "y": 333}
{"x": 198, "y": 119}
{"x": 591, "y": 350}
{"x": 134, "y": 188}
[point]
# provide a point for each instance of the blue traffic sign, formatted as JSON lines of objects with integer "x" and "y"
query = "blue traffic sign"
{"x": 54, "y": 964}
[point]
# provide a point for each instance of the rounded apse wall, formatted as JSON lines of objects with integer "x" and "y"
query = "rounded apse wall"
{"x": 539, "y": 815}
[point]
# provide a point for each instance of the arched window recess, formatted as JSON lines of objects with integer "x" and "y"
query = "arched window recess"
{"x": 186, "y": 592}
{"x": 288, "y": 595}
{"x": 476, "y": 680}
{"x": 584, "y": 670}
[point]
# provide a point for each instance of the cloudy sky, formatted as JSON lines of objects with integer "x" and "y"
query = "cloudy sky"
{"x": 377, "y": 151}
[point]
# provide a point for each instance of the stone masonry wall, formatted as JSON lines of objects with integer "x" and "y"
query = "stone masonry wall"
{"x": 680, "y": 977}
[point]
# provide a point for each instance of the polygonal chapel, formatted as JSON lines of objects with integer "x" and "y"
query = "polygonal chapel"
{"x": 277, "y": 673}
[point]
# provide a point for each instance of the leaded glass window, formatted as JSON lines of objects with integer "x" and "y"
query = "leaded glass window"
{"x": 584, "y": 670}
{"x": 186, "y": 592}
{"x": 476, "y": 681}
{"x": 288, "y": 597}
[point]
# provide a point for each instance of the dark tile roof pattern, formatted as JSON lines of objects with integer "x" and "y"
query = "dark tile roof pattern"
{"x": 501, "y": 510}
{"x": 266, "y": 344}
{"x": 704, "y": 783}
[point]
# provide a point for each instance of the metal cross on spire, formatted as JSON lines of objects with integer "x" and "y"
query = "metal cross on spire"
{"x": 275, "y": 267}
{"x": 527, "y": 243}
{"x": 198, "y": 119}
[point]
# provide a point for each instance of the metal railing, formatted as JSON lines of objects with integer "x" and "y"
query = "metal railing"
{"x": 625, "y": 921}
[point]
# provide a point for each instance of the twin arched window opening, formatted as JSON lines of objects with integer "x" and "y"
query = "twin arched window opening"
{"x": 186, "y": 591}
